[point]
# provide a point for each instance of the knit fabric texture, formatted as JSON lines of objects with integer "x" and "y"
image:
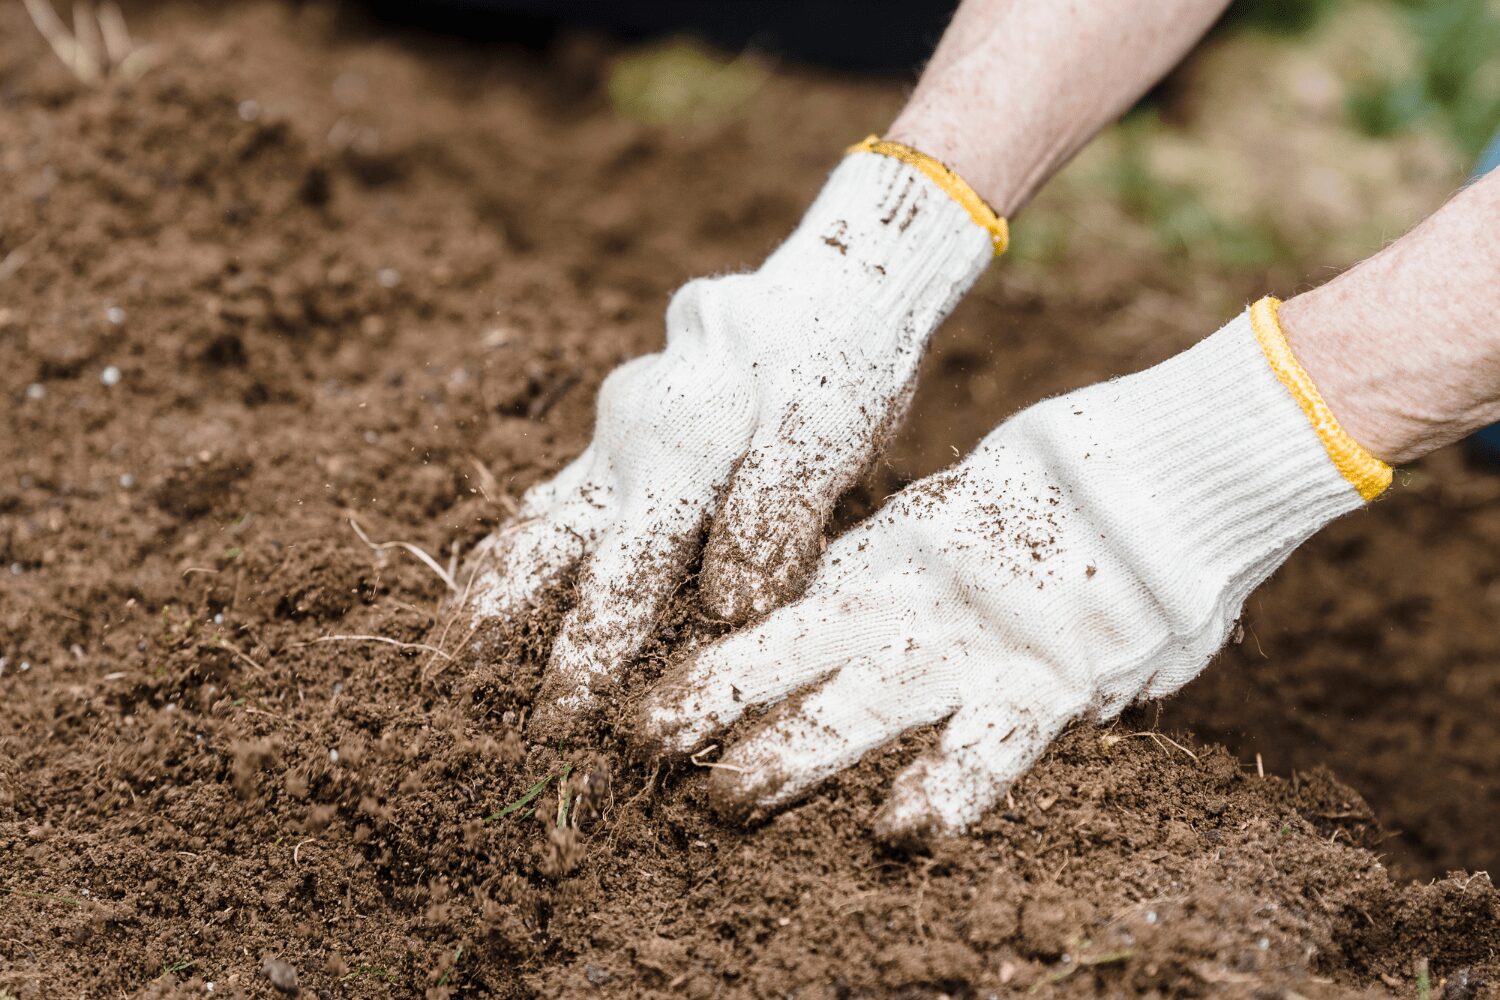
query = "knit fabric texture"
{"x": 1093, "y": 550}
{"x": 774, "y": 392}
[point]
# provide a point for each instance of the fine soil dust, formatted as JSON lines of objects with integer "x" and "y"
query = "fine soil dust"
{"x": 305, "y": 272}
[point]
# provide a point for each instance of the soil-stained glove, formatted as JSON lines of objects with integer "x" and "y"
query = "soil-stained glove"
{"x": 773, "y": 394}
{"x": 1094, "y": 550}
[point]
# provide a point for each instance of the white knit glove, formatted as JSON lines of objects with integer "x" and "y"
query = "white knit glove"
{"x": 772, "y": 396}
{"x": 1094, "y": 550}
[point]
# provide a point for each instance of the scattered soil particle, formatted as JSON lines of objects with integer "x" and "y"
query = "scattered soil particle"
{"x": 281, "y": 975}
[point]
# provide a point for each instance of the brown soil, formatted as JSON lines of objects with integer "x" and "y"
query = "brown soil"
{"x": 387, "y": 290}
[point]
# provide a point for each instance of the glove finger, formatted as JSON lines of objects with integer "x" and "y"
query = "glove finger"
{"x": 629, "y": 578}
{"x": 515, "y": 566}
{"x": 793, "y": 647}
{"x": 989, "y": 743}
{"x": 865, "y": 704}
{"x": 766, "y": 540}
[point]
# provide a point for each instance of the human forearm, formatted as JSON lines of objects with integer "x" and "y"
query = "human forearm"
{"x": 1015, "y": 88}
{"x": 1405, "y": 347}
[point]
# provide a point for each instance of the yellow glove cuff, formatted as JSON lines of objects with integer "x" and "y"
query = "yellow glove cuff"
{"x": 1366, "y": 473}
{"x": 957, "y": 188}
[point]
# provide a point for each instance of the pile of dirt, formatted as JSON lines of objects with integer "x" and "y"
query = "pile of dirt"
{"x": 305, "y": 273}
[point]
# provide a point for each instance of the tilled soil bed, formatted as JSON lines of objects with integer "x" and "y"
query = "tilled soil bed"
{"x": 308, "y": 273}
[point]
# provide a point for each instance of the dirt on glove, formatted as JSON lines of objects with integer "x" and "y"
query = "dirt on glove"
{"x": 308, "y": 273}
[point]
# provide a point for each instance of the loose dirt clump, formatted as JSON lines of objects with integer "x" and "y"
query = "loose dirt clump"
{"x": 305, "y": 271}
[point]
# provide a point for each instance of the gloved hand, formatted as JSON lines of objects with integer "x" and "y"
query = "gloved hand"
{"x": 1094, "y": 550}
{"x": 772, "y": 396}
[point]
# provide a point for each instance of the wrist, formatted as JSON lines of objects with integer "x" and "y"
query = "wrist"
{"x": 887, "y": 234}
{"x": 1239, "y": 445}
{"x": 1213, "y": 455}
{"x": 1404, "y": 346}
{"x": 1352, "y": 394}
{"x": 1004, "y": 182}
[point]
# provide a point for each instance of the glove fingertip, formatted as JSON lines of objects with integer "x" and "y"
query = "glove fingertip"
{"x": 744, "y": 792}
{"x": 753, "y": 565}
{"x": 671, "y": 720}
{"x": 908, "y": 819}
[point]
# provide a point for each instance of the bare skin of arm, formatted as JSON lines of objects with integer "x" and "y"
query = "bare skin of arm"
{"x": 1015, "y": 88}
{"x": 1405, "y": 347}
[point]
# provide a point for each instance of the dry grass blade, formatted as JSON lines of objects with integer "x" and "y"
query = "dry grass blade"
{"x": 490, "y": 489}
{"x": 384, "y": 639}
{"x": 411, "y": 547}
{"x": 88, "y": 43}
{"x": 117, "y": 43}
{"x": 1161, "y": 740}
{"x": 697, "y": 761}
{"x": 55, "y": 32}
{"x": 234, "y": 651}
{"x": 564, "y": 795}
{"x": 429, "y": 674}
{"x": 458, "y": 608}
{"x": 98, "y": 45}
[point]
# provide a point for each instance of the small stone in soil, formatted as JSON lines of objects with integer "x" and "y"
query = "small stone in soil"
{"x": 282, "y": 975}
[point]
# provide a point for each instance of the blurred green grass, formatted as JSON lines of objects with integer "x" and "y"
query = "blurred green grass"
{"x": 1310, "y": 130}
{"x": 1455, "y": 79}
{"x": 1331, "y": 103}
{"x": 682, "y": 80}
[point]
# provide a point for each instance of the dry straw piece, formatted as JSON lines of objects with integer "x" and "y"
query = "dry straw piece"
{"x": 99, "y": 45}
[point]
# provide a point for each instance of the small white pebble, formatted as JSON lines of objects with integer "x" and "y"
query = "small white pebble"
{"x": 249, "y": 111}
{"x": 115, "y": 315}
{"x": 338, "y": 687}
{"x": 333, "y": 755}
{"x": 209, "y": 987}
{"x": 219, "y": 618}
{"x": 371, "y": 437}
{"x": 16, "y": 569}
{"x": 1151, "y": 917}
{"x": 36, "y": 391}
{"x": 84, "y": 892}
{"x": 1263, "y": 944}
{"x": 126, "y": 480}
{"x": 110, "y": 375}
{"x": 388, "y": 277}
{"x": 25, "y": 666}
